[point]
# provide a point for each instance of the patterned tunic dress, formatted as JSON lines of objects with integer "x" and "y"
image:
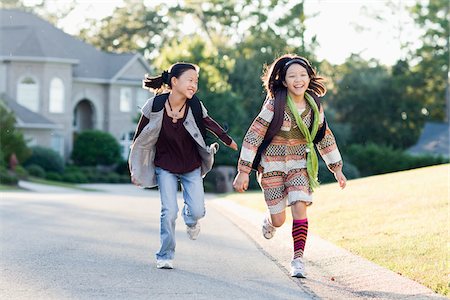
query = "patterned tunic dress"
{"x": 282, "y": 170}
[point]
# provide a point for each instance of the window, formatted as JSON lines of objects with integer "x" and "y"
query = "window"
{"x": 125, "y": 99}
{"x": 125, "y": 142}
{"x": 28, "y": 93}
{"x": 142, "y": 96}
{"x": 57, "y": 143}
{"x": 56, "y": 101}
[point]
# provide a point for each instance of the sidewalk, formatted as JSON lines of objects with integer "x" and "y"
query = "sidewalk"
{"x": 332, "y": 272}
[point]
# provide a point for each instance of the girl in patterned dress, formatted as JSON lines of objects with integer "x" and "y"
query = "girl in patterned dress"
{"x": 280, "y": 145}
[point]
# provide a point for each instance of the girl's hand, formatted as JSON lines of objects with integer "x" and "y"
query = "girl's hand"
{"x": 240, "y": 183}
{"x": 134, "y": 181}
{"x": 233, "y": 146}
{"x": 340, "y": 178}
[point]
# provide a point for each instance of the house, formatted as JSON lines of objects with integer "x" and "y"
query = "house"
{"x": 58, "y": 85}
{"x": 434, "y": 140}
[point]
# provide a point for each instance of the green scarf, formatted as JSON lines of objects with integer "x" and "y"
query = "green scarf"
{"x": 312, "y": 163}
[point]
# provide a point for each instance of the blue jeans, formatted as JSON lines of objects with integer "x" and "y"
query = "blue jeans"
{"x": 193, "y": 209}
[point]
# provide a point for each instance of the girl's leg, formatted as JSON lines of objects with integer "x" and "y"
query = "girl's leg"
{"x": 299, "y": 196}
{"x": 194, "y": 197}
{"x": 278, "y": 219}
{"x": 168, "y": 186}
{"x": 274, "y": 190}
{"x": 299, "y": 228}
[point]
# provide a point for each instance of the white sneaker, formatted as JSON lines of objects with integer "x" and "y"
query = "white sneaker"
{"x": 164, "y": 264}
{"x": 268, "y": 230}
{"x": 298, "y": 268}
{"x": 193, "y": 231}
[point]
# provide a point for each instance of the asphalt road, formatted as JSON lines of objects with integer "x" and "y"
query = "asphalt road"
{"x": 63, "y": 244}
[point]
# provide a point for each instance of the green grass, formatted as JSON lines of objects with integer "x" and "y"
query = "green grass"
{"x": 398, "y": 220}
{"x": 6, "y": 188}
{"x": 60, "y": 184}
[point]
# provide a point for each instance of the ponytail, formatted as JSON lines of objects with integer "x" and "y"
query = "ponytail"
{"x": 158, "y": 83}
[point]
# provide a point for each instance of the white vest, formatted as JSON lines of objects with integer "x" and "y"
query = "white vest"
{"x": 142, "y": 153}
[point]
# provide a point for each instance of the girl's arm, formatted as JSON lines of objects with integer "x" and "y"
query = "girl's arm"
{"x": 328, "y": 149}
{"x": 143, "y": 121}
{"x": 255, "y": 136}
{"x": 217, "y": 130}
{"x": 213, "y": 127}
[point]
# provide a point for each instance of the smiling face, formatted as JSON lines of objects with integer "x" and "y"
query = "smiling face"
{"x": 186, "y": 84}
{"x": 296, "y": 80}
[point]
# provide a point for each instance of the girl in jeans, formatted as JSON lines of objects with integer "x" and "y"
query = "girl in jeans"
{"x": 169, "y": 146}
{"x": 280, "y": 145}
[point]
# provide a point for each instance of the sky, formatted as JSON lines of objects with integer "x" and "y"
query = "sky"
{"x": 342, "y": 27}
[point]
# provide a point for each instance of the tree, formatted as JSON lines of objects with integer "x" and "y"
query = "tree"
{"x": 45, "y": 8}
{"x": 133, "y": 27}
{"x": 378, "y": 104}
{"x": 11, "y": 139}
{"x": 431, "y": 71}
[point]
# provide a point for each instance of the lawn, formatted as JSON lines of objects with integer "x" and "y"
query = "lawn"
{"x": 398, "y": 220}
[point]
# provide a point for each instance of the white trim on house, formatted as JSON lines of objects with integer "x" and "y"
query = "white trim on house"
{"x": 91, "y": 80}
{"x": 40, "y": 59}
{"x": 106, "y": 81}
{"x": 39, "y": 126}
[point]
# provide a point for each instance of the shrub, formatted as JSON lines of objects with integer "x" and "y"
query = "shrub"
{"x": 112, "y": 178}
{"x": 125, "y": 179}
{"x": 7, "y": 177}
{"x": 373, "y": 159}
{"x": 93, "y": 147}
{"x": 122, "y": 168}
{"x": 36, "y": 170}
{"x": 46, "y": 158}
{"x": 21, "y": 172}
{"x": 54, "y": 176}
{"x": 74, "y": 177}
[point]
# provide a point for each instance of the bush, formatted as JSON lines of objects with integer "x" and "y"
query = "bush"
{"x": 74, "y": 177}
{"x": 46, "y": 158}
{"x": 21, "y": 172}
{"x": 122, "y": 168}
{"x": 112, "y": 178}
{"x": 54, "y": 176}
{"x": 7, "y": 177}
{"x": 373, "y": 159}
{"x": 35, "y": 170}
{"x": 93, "y": 147}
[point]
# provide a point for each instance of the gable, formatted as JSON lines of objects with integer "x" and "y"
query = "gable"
{"x": 134, "y": 71}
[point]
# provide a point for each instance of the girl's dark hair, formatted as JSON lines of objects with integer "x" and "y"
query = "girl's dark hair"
{"x": 275, "y": 74}
{"x": 176, "y": 70}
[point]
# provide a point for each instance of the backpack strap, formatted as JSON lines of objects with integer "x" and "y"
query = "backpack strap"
{"x": 159, "y": 101}
{"x": 274, "y": 127}
{"x": 197, "y": 111}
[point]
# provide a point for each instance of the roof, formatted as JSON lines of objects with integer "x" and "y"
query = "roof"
{"x": 434, "y": 140}
{"x": 26, "y": 118}
{"x": 28, "y": 36}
